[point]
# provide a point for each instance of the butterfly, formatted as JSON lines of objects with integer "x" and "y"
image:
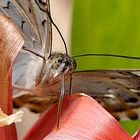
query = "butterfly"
{"x": 30, "y": 71}
{"x": 116, "y": 90}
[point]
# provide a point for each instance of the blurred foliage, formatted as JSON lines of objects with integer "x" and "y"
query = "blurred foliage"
{"x": 106, "y": 26}
{"x": 130, "y": 126}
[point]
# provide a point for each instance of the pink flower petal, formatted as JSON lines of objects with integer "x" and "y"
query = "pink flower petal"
{"x": 11, "y": 42}
{"x": 82, "y": 118}
{"x": 136, "y": 136}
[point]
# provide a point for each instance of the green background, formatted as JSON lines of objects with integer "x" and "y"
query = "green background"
{"x": 107, "y": 26}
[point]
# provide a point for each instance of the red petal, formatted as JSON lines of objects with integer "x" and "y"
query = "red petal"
{"x": 136, "y": 136}
{"x": 10, "y": 43}
{"x": 81, "y": 118}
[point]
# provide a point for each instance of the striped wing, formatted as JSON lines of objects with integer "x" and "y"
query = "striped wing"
{"x": 31, "y": 17}
{"x": 116, "y": 90}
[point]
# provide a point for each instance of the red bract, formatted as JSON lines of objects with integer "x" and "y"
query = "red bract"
{"x": 136, "y": 136}
{"x": 82, "y": 118}
{"x": 11, "y": 42}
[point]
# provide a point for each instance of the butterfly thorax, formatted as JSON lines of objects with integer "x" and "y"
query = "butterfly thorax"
{"x": 55, "y": 65}
{"x": 58, "y": 59}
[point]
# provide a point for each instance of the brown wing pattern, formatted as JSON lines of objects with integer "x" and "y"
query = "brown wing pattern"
{"x": 123, "y": 86}
{"x": 116, "y": 90}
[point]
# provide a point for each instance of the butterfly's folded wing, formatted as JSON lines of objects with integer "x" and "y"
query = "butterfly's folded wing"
{"x": 25, "y": 71}
{"x": 31, "y": 18}
{"x": 116, "y": 90}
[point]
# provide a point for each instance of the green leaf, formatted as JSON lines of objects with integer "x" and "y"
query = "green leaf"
{"x": 130, "y": 126}
{"x": 106, "y": 26}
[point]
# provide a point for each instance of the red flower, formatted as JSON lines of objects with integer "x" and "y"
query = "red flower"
{"x": 81, "y": 118}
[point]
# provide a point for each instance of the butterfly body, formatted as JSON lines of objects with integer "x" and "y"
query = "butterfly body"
{"x": 58, "y": 63}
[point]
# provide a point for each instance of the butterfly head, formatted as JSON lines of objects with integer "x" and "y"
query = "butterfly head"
{"x": 62, "y": 63}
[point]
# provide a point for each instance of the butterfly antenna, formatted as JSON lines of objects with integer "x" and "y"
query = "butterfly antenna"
{"x": 58, "y": 31}
{"x": 49, "y": 25}
{"x": 110, "y": 55}
{"x": 60, "y": 100}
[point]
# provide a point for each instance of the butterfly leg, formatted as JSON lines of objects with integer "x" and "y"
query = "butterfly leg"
{"x": 60, "y": 100}
{"x": 70, "y": 88}
{"x": 29, "y": 50}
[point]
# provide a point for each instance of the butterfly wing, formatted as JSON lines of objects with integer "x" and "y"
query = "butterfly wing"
{"x": 31, "y": 18}
{"x": 116, "y": 90}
